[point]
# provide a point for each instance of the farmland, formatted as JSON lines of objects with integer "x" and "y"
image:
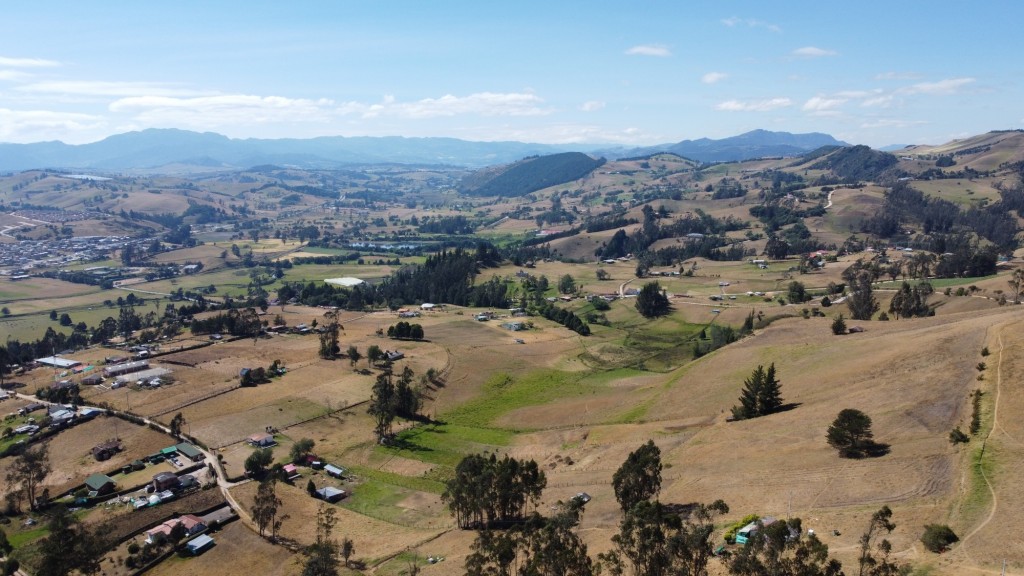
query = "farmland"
{"x": 576, "y": 404}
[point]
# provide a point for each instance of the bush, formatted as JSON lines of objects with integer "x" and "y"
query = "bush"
{"x": 133, "y": 548}
{"x": 984, "y": 351}
{"x": 839, "y": 325}
{"x": 938, "y": 537}
{"x": 956, "y": 436}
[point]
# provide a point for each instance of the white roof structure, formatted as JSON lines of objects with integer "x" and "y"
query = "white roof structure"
{"x": 58, "y": 362}
{"x": 347, "y": 281}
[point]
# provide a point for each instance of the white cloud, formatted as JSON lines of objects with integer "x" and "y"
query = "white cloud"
{"x": 754, "y": 105}
{"x": 221, "y": 110}
{"x": 897, "y": 76}
{"x": 480, "y": 104}
{"x": 13, "y": 75}
{"x": 649, "y": 50}
{"x": 883, "y": 101}
{"x": 813, "y": 52}
{"x": 36, "y": 125}
{"x": 101, "y": 88}
{"x": 947, "y": 86}
{"x": 592, "y": 106}
{"x": 27, "y": 62}
{"x": 750, "y": 23}
{"x": 822, "y": 104}
{"x": 713, "y": 77}
{"x": 892, "y": 123}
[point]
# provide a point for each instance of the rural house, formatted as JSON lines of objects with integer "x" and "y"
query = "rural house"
{"x": 105, "y": 450}
{"x": 189, "y": 451}
{"x": 330, "y": 494}
{"x": 165, "y": 481}
{"x": 100, "y": 484}
{"x": 261, "y": 440}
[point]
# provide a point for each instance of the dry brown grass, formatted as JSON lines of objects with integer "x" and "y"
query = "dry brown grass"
{"x": 237, "y": 552}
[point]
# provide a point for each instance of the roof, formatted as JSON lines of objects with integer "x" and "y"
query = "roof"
{"x": 97, "y": 481}
{"x": 58, "y": 362}
{"x": 345, "y": 281}
{"x": 188, "y": 450}
{"x": 332, "y": 469}
{"x": 198, "y": 543}
{"x": 169, "y": 450}
{"x": 290, "y": 468}
{"x": 162, "y": 476}
{"x": 328, "y": 492}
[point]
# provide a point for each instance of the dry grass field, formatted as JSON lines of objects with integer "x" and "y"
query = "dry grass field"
{"x": 237, "y": 551}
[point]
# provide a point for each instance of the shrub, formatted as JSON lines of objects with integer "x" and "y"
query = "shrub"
{"x": 938, "y": 537}
{"x": 984, "y": 351}
{"x": 956, "y": 436}
{"x": 839, "y": 325}
{"x": 133, "y": 548}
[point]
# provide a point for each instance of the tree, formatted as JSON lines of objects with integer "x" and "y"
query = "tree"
{"x": 176, "y": 423}
{"x": 5, "y": 544}
{"x": 5, "y": 311}
{"x": 868, "y": 564}
{"x": 265, "y": 504}
{"x": 374, "y": 354}
{"x": 861, "y": 301}
{"x": 1016, "y": 283}
{"x": 603, "y": 274}
{"x": 652, "y": 301}
{"x": 257, "y": 462}
{"x": 302, "y": 448}
{"x": 65, "y": 319}
{"x": 850, "y": 433}
{"x": 537, "y": 547}
{"x": 488, "y": 491}
{"x": 53, "y": 315}
{"x": 69, "y": 546}
{"x": 566, "y": 284}
{"x": 329, "y": 336}
{"x": 353, "y": 355}
{"x": 797, "y": 292}
{"x": 779, "y": 549}
{"x": 938, "y": 537}
{"x": 839, "y": 325}
{"x": 28, "y": 470}
{"x": 383, "y": 405}
{"x": 321, "y": 557}
{"x": 639, "y": 477}
{"x": 761, "y": 394}
{"x": 776, "y": 248}
{"x": 348, "y": 548}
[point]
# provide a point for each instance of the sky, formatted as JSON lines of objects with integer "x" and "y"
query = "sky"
{"x": 556, "y": 72}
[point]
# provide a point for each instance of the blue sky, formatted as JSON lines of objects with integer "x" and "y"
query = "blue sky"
{"x": 875, "y": 73}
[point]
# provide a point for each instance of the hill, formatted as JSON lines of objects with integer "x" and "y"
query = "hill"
{"x": 856, "y": 163}
{"x": 753, "y": 144}
{"x": 530, "y": 175}
{"x": 154, "y": 148}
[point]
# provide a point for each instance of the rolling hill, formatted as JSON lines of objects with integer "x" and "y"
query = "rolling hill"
{"x": 529, "y": 175}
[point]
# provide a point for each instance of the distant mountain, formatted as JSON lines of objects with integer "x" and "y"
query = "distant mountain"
{"x": 182, "y": 150}
{"x": 753, "y": 144}
{"x": 153, "y": 148}
{"x": 529, "y": 174}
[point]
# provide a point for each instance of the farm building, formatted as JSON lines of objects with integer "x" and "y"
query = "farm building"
{"x": 261, "y": 440}
{"x": 514, "y": 326}
{"x": 126, "y": 368}
{"x": 330, "y": 494}
{"x": 347, "y": 281}
{"x": 747, "y": 532}
{"x": 100, "y": 484}
{"x": 393, "y": 356}
{"x": 58, "y": 362}
{"x": 92, "y": 380}
{"x": 333, "y": 470}
{"x": 105, "y": 450}
{"x": 189, "y": 451}
{"x": 147, "y": 375}
{"x": 199, "y": 545}
{"x": 165, "y": 481}
{"x": 291, "y": 471}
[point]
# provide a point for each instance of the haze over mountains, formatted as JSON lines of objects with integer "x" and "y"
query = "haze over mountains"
{"x": 183, "y": 151}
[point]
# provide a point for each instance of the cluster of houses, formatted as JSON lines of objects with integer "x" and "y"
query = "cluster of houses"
{"x": 17, "y": 259}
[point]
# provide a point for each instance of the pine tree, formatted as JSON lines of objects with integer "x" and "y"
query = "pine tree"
{"x": 761, "y": 394}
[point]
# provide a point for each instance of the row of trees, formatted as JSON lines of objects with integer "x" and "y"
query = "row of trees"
{"x": 491, "y": 492}
{"x": 391, "y": 398}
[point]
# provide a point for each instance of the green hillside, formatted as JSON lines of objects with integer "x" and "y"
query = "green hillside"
{"x": 530, "y": 174}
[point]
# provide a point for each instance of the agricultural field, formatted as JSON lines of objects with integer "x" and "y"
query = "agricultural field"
{"x": 576, "y": 404}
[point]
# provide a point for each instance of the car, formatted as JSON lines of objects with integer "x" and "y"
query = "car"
{"x": 581, "y": 498}
{"x": 715, "y": 311}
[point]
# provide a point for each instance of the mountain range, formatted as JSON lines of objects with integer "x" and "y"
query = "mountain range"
{"x": 173, "y": 150}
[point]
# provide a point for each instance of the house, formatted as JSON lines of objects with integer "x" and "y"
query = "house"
{"x": 192, "y": 525}
{"x": 199, "y": 545}
{"x": 93, "y": 380}
{"x": 333, "y": 470}
{"x": 291, "y": 471}
{"x": 189, "y": 451}
{"x": 105, "y": 450}
{"x": 165, "y": 481}
{"x": 427, "y": 306}
{"x": 747, "y": 532}
{"x": 393, "y": 356}
{"x": 99, "y": 484}
{"x": 514, "y": 326}
{"x": 58, "y": 362}
{"x": 187, "y": 482}
{"x": 330, "y": 494}
{"x": 261, "y": 440}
